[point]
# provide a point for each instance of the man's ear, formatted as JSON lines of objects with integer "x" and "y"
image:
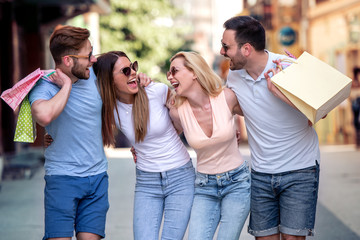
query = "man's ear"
{"x": 246, "y": 49}
{"x": 67, "y": 61}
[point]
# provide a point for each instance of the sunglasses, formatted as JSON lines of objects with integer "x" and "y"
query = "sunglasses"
{"x": 224, "y": 46}
{"x": 172, "y": 72}
{"x": 127, "y": 70}
{"x": 82, "y": 56}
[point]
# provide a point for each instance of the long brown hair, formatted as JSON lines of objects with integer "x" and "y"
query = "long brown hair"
{"x": 104, "y": 71}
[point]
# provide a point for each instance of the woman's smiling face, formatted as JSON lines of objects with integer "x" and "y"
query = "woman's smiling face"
{"x": 126, "y": 86}
{"x": 179, "y": 76}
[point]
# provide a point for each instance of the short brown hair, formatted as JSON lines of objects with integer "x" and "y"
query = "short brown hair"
{"x": 247, "y": 30}
{"x": 67, "y": 40}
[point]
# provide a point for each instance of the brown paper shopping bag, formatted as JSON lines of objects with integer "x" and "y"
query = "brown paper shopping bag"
{"x": 313, "y": 86}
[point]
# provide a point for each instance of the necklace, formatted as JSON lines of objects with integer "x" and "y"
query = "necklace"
{"x": 127, "y": 107}
{"x": 207, "y": 106}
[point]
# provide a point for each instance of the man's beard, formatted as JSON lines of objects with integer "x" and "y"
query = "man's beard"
{"x": 238, "y": 63}
{"x": 79, "y": 73}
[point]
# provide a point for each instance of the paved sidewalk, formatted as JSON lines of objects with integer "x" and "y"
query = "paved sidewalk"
{"x": 338, "y": 213}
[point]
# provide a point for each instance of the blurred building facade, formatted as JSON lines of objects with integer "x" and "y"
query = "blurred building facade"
{"x": 206, "y": 18}
{"x": 334, "y": 37}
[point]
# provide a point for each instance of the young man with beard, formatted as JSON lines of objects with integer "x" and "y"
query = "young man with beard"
{"x": 284, "y": 148}
{"x": 76, "y": 190}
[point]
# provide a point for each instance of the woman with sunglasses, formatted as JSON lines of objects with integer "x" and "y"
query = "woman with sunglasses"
{"x": 204, "y": 110}
{"x": 164, "y": 172}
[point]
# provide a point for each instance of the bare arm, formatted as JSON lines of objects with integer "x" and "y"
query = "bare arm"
{"x": 232, "y": 102}
{"x": 45, "y": 111}
{"x": 174, "y": 115}
{"x": 173, "y": 112}
{"x": 235, "y": 109}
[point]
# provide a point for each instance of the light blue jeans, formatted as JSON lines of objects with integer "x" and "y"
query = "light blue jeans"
{"x": 221, "y": 199}
{"x": 169, "y": 194}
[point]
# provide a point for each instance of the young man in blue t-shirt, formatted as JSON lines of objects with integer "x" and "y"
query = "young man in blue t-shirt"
{"x": 76, "y": 190}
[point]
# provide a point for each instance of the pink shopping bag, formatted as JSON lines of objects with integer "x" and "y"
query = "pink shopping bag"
{"x": 15, "y": 95}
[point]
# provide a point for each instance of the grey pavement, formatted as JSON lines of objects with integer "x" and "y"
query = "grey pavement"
{"x": 338, "y": 212}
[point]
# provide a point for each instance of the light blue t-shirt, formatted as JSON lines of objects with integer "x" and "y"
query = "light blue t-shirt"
{"x": 77, "y": 149}
{"x": 279, "y": 137}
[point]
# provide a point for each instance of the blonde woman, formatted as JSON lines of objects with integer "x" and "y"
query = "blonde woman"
{"x": 204, "y": 110}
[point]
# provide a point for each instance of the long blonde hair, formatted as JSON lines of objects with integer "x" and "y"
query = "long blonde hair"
{"x": 103, "y": 69}
{"x": 210, "y": 82}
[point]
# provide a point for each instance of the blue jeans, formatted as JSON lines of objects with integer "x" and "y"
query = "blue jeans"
{"x": 169, "y": 193}
{"x": 284, "y": 202}
{"x": 222, "y": 198}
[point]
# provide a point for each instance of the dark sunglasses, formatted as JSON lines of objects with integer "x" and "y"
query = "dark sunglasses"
{"x": 82, "y": 56}
{"x": 127, "y": 70}
{"x": 172, "y": 72}
{"x": 224, "y": 46}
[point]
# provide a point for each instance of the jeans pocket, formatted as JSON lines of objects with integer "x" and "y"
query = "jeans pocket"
{"x": 241, "y": 175}
{"x": 201, "y": 180}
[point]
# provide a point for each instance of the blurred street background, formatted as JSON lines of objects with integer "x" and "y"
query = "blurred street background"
{"x": 151, "y": 32}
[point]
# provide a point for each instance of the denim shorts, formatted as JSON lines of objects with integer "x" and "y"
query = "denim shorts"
{"x": 79, "y": 203}
{"x": 284, "y": 202}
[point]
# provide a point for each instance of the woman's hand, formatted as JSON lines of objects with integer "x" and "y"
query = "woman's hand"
{"x": 47, "y": 140}
{"x": 144, "y": 79}
{"x": 132, "y": 150}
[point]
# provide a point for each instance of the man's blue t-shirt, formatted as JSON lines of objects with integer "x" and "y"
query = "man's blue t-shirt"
{"x": 77, "y": 149}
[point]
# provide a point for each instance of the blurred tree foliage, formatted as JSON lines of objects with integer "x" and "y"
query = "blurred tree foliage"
{"x": 145, "y": 31}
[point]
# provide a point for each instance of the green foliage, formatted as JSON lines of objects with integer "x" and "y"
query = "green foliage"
{"x": 145, "y": 31}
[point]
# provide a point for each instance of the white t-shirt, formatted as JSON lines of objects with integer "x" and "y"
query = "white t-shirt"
{"x": 279, "y": 137}
{"x": 162, "y": 149}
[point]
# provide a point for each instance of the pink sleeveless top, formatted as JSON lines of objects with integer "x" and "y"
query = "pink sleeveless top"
{"x": 218, "y": 153}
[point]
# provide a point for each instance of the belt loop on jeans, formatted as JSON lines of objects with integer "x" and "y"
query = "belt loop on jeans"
{"x": 227, "y": 176}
